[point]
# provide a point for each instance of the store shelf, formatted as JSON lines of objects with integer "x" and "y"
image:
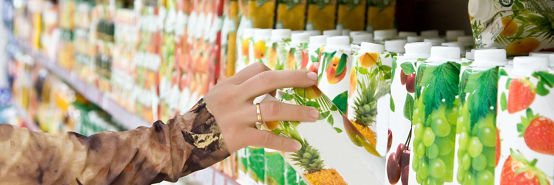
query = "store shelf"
{"x": 22, "y": 113}
{"x": 127, "y": 119}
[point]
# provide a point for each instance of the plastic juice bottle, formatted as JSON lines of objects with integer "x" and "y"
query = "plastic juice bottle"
{"x": 434, "y": 117}
{"x": 411, "y": 39}
{"x": 291, "y": 14}
{"x": 297, "y": 51}
{"x": 452, "y": 35}
{"x": 405, "y": 34}
{"x": 525, "y": 123}
{"x": 361, "y": 37}
{"x": 368, "y": 95}
{"x": 321, "y": 15}
{"x": 332, "y": 33}
{"x": 379, "y": 36}
{"x": 349, "y": 14}
{"x": 315, "y": 51}
{"x": 476, "y": 125}
{"x": 429, "y": 33}
{"x": 244, "y": 42}
{"x": 260, "y": 45}
{"x": 277, "y": 53}
{"x": 402, "y": 95}
{"x": 274, "y": 167}
{"x": 436, "y": 41}
{"x": 334, "y": 65}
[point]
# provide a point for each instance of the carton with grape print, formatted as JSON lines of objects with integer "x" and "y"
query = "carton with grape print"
{"x": 525, "y": 148}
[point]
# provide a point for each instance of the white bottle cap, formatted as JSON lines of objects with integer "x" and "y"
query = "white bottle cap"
{"x": 248, "y": 33}
{"x": 317, "y": 41}
{"x": 434, "y": 41}
{"x": 298, "y": 38}
{"x": 549, "y": 55}
{"x": 429, "y": 33}
{"x": 331, "y": 33}
{"x": 450, "y": 44}
{"x": 313, "y": 32}
{"x": 452, "y": 35}
{"x": 525, "y": 66}
{"x": 338, "y": 41}
{"x": 359, "y": 38}
{"x": 280, "y": 34}
{"x": 405, "y": 34}
{"x": 262, "y": 34}
{"x": 414, "y": 39}
{"x": 465, "y": 41}
{"x": 346, "y": 32}
{"x": 352, "y": 33}
{"x": 367, "y": 47}
{"x": 396, "y": 46}
{"x": 442, "y": 54}
{"x": 489, "y": 58}
{"x": 381, "y": 35}
{"x": 418, "y": 49}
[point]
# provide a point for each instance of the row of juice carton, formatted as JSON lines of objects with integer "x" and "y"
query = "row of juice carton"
{"x": 414, "y": 97}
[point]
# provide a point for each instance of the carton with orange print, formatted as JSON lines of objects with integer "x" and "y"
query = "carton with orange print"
{"x": 525, "y": 148}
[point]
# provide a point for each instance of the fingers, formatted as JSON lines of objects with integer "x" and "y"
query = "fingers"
{"x": 278, "y": 111}
{"x": 268, "y": 81}
{"x": 266, "y": 139}
{"x": 248, "y": 72}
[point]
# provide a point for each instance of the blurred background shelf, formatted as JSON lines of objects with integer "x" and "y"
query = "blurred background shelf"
{"x": 28, "y": 121}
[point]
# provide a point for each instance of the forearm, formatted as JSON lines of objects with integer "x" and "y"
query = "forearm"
{"x": 141, "y": 156}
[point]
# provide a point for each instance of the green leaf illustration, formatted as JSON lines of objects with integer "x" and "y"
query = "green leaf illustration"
{"x": 503, "y": 101}
{"x": 342, "y": 65}
{"x": 483, "y": 87}
{"x": 441, "y": 85}
{"x": 341, "y": 101}
{"x": 407, "y": 67}
{"x": 409, "y": 107}
{"x": 392, "y": 108}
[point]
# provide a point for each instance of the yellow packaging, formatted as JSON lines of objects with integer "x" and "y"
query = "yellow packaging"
{"x": 380, "y": 14}
{"x": 321, "y": 15}
{"x": 291, "y": 14}
{"x": 349, "y": 13}
{"x": 261, "y": 13}
{"x": 232, "y": 15}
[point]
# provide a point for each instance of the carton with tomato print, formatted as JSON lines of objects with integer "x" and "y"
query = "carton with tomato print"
{"x": 525, "y": 123}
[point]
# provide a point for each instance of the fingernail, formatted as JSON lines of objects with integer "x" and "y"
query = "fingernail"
{"x": 314, "y": 113}
{"x": 312, "y": 76}
{"x": 297, "y": 146}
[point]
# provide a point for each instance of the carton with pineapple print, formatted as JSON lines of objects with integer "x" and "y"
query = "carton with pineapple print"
{"x": 400, "y": 119}
{"x": 368, "y": 95}
{"x": 260, "y": 45}
{"x": 519, "y": 26}
{"x": 525, "y": 148}
{"x": 291, "y": 14}
{"x": 321, "y": 14}
{"x": 349, "y": 13}
{"x": 476, "y": 129}
{"x": 380, "y": 14}
{"x": 434, "y": 118}
{"x": 297, "y": 52}
{"x": 334, "y": 65}
{"x": 277, "y": 51}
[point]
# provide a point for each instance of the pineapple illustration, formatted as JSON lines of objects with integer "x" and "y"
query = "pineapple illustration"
{"x": 365, "y": 105}
{"x": 309, "y": 159}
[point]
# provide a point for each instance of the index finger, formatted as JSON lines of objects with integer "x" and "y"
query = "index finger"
{"x": 268, "y": 81}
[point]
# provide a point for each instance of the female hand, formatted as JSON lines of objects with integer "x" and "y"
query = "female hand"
{"x": 231, "y": 103}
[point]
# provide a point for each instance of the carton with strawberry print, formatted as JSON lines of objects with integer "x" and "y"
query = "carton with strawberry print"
{"x": 402, "y": 94}
{"x": 475, "y": 150}
{"x": 525, "y": 123}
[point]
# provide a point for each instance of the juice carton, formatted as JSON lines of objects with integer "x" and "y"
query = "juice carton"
{"x": 321, "y": 15}
{"x": 275, "y": 167}
{"x": 357, "y": 39}
{"x": 405, "y": 34}
{"x": 259, "y": 46}
{"x": 414, "y": 39}
{"x": 315, "y": 51}
{"x": 256, "y": 164}
{"x": 291, "y": 14}
{"x": 368, "y": 95}
{"x": 400, "y": 119}
{"x": 452, "y": 35}
{"x": 334, "y": 66}
{"x": 349, "y": 13}
{"x": 332, "y": 33}
{"x": 242, "y": 156}
{"x": 381, "y": 35}
{"x": 277, "y": 53}
{"x": 525, "y": 145}
{"x": 519, "y": 27}
{"x": 261, "y": 13}
{"x": 313, "y": 32}
{"x": 429, "y": 33}
{"x": 297, "y": 51}
{"x": 244, "y": 41}
{"x": 434, "y": 117}
{"x": 380, "y": 14}
{"x": 549, "y": 55}
{"x": 228, "y": 54}
{"x": 476, "y": 126}
{"x": 435, "y": 41}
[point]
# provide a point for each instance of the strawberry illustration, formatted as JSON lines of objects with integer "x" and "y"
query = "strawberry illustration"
{"x": 538, "y": 132}
{"x": 522, "y": 94}
{"x": 519, "y": 171}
